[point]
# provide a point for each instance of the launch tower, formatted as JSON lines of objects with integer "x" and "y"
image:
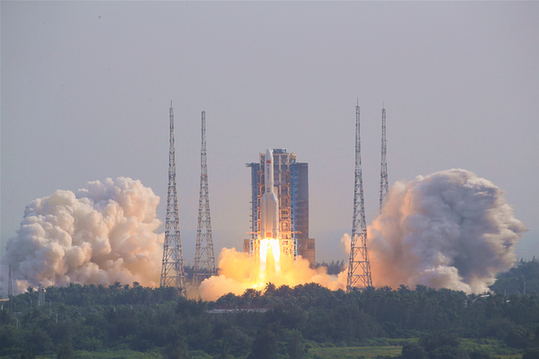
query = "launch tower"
{"x": 359, "y": 272}
{"x": 383, "y": 168}
{"x": 10, "y": 291}
{"x": 204, "y": 256}
{"x": 172, "y": 270}
{"x": 291, "y": 183}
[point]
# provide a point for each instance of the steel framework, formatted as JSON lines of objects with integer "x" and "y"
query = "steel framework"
{"x": 383, "y": 168}
{"x": 10, "y": 291}
{"x": 204, "y": 255}
{"x": 294, "y": 208}
{"x": 359, "y": 273}
{"x": 172, "y": 270}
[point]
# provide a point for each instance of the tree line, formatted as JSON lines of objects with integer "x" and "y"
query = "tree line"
{"x": 523, "y": 278}
{"x": 94, "y": 318}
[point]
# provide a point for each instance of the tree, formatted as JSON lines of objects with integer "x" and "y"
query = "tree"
{"x": 295, "y": 347}
{"x": 264, "y": 345}
{"x": 38, "y": 340}
{"x": 479, "y": 354}
{"x": 448, "y": 352}
{"x": 431, "y": 342}
{"x": 27, "y": 354}
{"x": 524, "y": 276}
{"x": 5, "y": 318}
{"x": 519, "y": 337}
{"x": 250, "y": 296}
{"x": 413, "y": 351}
{"x": 65, "y": 351}
{"x": 531, "y": 354}
{"x": 270, "y": 289}
{"x": 175, "y": 351}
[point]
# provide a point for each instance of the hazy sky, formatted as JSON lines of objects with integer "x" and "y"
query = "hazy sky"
{"x": 86, "y": 89}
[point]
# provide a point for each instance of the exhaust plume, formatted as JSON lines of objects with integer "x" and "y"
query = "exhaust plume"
{"x": 450, "y": 230}
{"x": 98, "y": 235}
{"x": 236, "y": 271}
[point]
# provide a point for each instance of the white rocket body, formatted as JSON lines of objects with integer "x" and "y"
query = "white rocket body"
{"x": 269, "y": 203}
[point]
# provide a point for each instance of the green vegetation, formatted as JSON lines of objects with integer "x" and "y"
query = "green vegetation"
{"x": 523, "y": 278}
{"x": 355, "y": 352}
{"x": 307, "y": 321}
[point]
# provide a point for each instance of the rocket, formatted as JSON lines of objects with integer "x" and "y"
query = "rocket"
{"x": 269, "y": 203}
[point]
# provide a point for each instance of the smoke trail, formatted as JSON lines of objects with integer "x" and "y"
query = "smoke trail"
{"x": 99, "y": 235}
{"x": 450, "y": 230}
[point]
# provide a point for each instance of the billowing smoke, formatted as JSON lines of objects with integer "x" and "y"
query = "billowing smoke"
{"x": 447, "y": 230}
{"x": 98, "y": 235}
{"x": 236, "y": 269}
{"x": 450, "y": 230}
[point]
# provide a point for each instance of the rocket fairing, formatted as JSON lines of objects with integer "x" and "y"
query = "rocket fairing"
{"x": 269, "y": 203}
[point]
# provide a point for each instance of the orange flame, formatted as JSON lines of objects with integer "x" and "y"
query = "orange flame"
{"x": 238, "y": 271}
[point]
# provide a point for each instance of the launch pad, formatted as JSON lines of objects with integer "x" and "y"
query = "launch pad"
{"x": 280, "y": 212}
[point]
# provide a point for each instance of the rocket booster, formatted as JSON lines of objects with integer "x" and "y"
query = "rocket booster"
{"x": 269, "y": 203}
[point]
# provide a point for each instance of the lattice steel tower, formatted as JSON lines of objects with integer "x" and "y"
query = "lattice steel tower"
{"x": 10, "y": 291}
{"x": 383, "y": 169}
{"x": 204, "y": 257}
{"x": 172, "y": 271}
{"x": 359, "y": 272}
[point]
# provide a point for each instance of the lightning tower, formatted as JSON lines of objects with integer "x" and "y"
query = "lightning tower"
{"x": 383, "y": 169}
{"x": 10, "y": 292}
{"x": 204, "y": 256}
{"x": 359, "y": 272}
{"x": 172, "y": 271}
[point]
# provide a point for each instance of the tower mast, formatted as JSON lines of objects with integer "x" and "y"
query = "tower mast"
{"x": 204, "y": 256}
{"x": 383, "y": 169}
{"x": 10, "y": 291}
{"x": 172, "y": 271}
{"x": 359, "y": 272}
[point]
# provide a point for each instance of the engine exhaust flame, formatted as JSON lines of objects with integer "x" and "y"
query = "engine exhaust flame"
{"x": 270, "y": 252}
{"x": 238, "y": 271}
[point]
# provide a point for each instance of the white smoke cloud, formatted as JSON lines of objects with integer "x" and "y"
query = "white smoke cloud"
{"x": 98, "y": 235}
{"x": 346, "y": 241}
{"x": 450, "y": 230}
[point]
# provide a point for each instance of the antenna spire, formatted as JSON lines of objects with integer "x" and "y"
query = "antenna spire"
{"x": 359, "y": 272}
{"x": 172, "y": 270}
{"x": 10, "y": 291}
{"x": 384, "y": 186}
{"x": 204, "y": 256}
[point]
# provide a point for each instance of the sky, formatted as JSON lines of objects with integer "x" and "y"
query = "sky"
{"x": 86, "y": 89}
